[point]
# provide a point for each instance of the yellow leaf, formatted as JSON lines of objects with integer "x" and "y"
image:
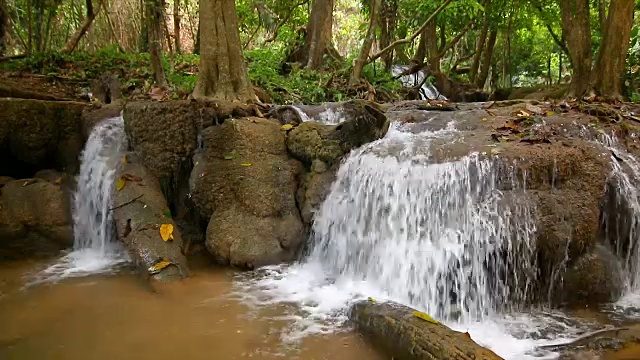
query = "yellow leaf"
{"x": 154, "y": 269}
{"x": 166, "y": 232}
{"x": 425, "y": 317}
{"x": 58, "y": 180}
{"x": 484, "y": 119}
{"x": 246, "y": 164}
{"x": 286, "y": 127}
{"x": 371, "y": 299}
{"x": 550, "y": 113}
{"x": 120, "y": 184}
{"x": 124, "y": 159}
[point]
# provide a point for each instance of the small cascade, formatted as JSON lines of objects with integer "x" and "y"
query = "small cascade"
{"x": 621, "y": 213}
{"x": 95, "y": 249}
{"x": 427, "y": 91}
{"x": 435, "y": 236}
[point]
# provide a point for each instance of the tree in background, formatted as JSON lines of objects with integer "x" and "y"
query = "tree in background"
{"x": 606, "y": 76}
{"x": 223, "y": 74}
{"x": 154, "y": 18}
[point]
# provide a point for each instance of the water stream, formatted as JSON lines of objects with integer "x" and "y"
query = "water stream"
{"x": 95, "y": 248}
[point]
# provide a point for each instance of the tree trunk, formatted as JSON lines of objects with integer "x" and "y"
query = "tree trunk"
{"x": 602, "y": 16}
{"x": 421, "y": 52}
{"x": 486, "y": 59}
{"x": 368, "y": 42}
{"x": 610, "y": 63}
{"x": 86, "y": 24}
{"x": 482, "y": 38}
{"x": 29, "y": 29}
{"x": 196, "y": 45}
{"x": 387, "y": 22}
{"x": 176, "y": 25}
{"x": 4, "y": 26}
{"x": 165, "y": 24}
{"x": 154, "y": 17}
{"x": 223, "y": 74}
{"x": 577, "y": 32}
{"x": 432, "y": 48}
{"x": 319, "y": 33}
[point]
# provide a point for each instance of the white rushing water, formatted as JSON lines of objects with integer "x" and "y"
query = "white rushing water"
{"x": 427, "y": 91}
{"x": 439, "y": 237}
{"x": 623, "y": 225}
{"x": 95, "y": 249}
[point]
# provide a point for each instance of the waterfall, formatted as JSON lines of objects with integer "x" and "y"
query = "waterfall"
{"x": 440, "y": 237}
{"x": 621, "y": 213}
{"x": 435, "y": 236}
{"x": 427, "y": 91}
{"x": 95, "y": 249}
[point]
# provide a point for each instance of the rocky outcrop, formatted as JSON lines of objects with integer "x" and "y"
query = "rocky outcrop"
{"x": 404, "y": 336}
{"x": 35, "y": 219}
{"x": 245, "y": 183}
{"x": 140, "y": 209}
{"x": 38, "y": 134}
{"x": 165, "y": 134}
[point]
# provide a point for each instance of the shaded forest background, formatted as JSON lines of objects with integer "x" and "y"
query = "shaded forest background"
{"x": 569, "y": 47}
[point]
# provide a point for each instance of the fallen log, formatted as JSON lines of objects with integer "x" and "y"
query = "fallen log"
{"x": 7, "y": 91}
{"x": 405, "y": 336}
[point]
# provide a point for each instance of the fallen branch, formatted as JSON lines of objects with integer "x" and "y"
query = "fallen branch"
{"x": 126, "y": 203}
{"x": 412, "y": 37}
{"x": 13, "y": 57}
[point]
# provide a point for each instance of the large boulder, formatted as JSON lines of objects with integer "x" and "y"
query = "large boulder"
{"x": 37, "y": 134}
{"x": 245, "y": 183}
{"x": 404, "y": 336}
{"x": 35, "y": 219}
{"x": 140, "y": 209}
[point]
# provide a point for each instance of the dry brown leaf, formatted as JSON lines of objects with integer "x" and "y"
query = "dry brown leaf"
{"x": 166, "y": 232}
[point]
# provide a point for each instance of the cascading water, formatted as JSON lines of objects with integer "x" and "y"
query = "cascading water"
{"x": 95, "y": 249}
{"x": 621, "y": 217}
{"x": 440, "y": 237}
{"x": 427, "y": 91}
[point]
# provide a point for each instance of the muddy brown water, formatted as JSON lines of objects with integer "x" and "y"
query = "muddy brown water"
{"x": 119, "y": 317}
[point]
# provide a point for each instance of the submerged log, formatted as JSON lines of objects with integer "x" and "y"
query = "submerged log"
{"x": 405, "y": 336}
{"x": 140, "y": 211}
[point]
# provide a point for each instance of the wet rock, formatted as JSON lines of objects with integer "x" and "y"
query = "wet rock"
{"x": 35, "y": 219}
{"x": 245, "y": 183}
{"x": 40, "y": 134}
{"x": 314, "y": 188}
{"x": 140, "y": 209}
{"x": 328, "y": 143}
{"x": 165, "y": 134}
{"x": 404, "y": 336}
{"x": 97, "y": 112}
{"x": 594, "y": 278}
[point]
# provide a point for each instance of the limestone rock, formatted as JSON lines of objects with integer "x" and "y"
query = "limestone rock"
{"x": 328, "y": 143}
{"x": 245, "y": 183}
{"x": 40, "y": 134}
{"x": 594, "y": 278}
{"x": 139, "y": 210}
{"x": 406, "y": 337}
{"x": 314, "y": 188}
{"x": 35, "y": 218}
{"x": 165, "y": 134}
